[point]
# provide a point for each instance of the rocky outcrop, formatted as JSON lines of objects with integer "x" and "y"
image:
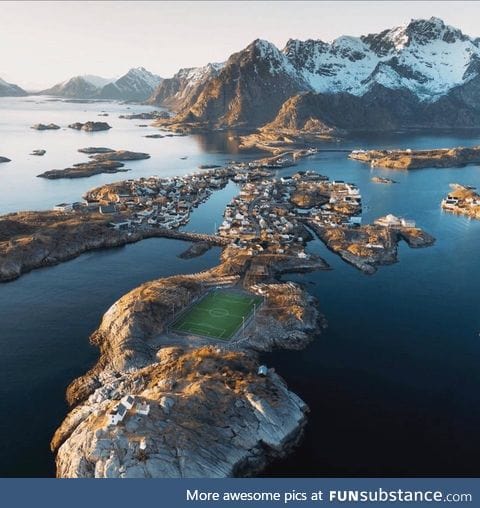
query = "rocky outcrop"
{"x": 369, "y": 246}
{"x": 45, "y": 127}
{"x": 85, "y": 169}
{"x": 152, "y": 115}
{"x": 39, "y": 152}
{"x": 4, "y": 159}
{"x": 104, "y": 160}
{"x": 210, "y": 415}
{"x": 95, "y": 149}
{"x": 90, "y": 126}
{"x": 120, "y": 155}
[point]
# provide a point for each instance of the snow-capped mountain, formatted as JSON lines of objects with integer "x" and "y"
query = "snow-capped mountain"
{"x": 10, "y": 90}
{"x": 248, "y": 90}
{"x": 184, "y": 87}
{"x": 78, "y": 87}
{"x": 426, "y": 58}
{"x": 137, "y": 84}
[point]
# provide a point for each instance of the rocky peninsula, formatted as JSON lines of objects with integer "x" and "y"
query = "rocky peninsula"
{"x": 210, "y": 413}
{"x": 416, "y": 159}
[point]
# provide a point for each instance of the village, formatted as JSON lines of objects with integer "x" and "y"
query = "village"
{"x": 269, "y": 215}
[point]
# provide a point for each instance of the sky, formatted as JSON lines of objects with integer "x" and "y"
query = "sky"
{"x": 43, "y": 43}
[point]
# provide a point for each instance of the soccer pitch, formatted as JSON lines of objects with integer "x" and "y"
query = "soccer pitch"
{"x": 218, "y": 315}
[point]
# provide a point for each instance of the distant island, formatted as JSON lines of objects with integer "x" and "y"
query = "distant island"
{"x": 417, "y": 159}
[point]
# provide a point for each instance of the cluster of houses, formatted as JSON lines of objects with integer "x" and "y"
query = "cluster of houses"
{"x": 128, "y": 403}
{"x": 153, "y": 201}
{"x": 461, "y": 196}
{"x": 463, "y": 200}
{"x": 266, "y": 215}
{"x": 342, "y": 206}
{"x": 261, "y": 218}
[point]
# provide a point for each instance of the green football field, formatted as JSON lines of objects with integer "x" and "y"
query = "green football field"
{"x": 219, "y": 314}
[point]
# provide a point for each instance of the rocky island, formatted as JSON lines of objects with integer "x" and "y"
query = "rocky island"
{"x": 153, "y": 115}
{"x": 90, "y": 126}
{"x": 462, "y": 200}
{"x": 416, "y": 159}
{"x": 104, "y": 160}
{"x": 45, "y": 127}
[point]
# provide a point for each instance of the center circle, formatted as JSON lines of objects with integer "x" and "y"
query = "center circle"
{"x": 218, "y": 313}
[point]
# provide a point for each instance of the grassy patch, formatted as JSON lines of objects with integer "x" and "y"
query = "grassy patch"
{"x": 218, "y": 315}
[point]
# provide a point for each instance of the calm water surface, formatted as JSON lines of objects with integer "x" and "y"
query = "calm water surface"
{"x": 393, "y": 384}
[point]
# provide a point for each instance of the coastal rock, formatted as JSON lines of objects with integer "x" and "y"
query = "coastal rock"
{"x": 38, "y": 152}
{"x": 45, "y": 127}
{"x": 152, "y": 115}
{"x": 90, "y": 126}
{"x": 220, "y": 419}
{"x": 4, "y": 159}
{"x": 120, "y": 155}
{"x": 95, "y": 150}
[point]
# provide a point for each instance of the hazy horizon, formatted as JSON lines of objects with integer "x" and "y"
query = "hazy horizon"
{"x": 50, "y": 42}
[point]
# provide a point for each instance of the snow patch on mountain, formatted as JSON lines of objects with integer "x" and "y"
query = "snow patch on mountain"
{"x": 426, "y": 57}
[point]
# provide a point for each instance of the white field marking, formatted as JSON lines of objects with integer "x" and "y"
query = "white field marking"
{"x": 203, "y": 327}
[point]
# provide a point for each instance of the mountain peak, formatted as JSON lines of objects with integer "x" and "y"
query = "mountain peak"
{"x": 424, "y": 31}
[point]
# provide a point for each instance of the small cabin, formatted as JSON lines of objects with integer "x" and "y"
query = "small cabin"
{"x": 117, "y": 415}
{"x": 262, "y": 370}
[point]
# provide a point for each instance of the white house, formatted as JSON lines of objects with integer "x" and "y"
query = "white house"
{"x": 128, "y": 401}
{"x": 407, "y": 223}
{"x": 117, "y": 415}
{"x": 142, "y": 408}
